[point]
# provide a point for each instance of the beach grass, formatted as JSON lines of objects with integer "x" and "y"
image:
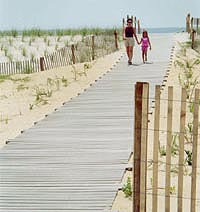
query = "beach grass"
{"x": 37, "y": 32}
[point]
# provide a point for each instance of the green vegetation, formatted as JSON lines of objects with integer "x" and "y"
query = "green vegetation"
{"x": 127, "y": 188}
{"x": 4, "y": 77}
{"x": 186, "y": 78}
{"x": 188, "y": 158}
{"x": 21, "y": 87}
{"x": 36, "y": 32}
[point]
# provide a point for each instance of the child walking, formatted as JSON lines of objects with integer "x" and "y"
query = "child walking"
{"x": 145, "y": 41}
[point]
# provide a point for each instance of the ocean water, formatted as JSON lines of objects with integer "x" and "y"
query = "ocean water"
{"x": 166, "y": 30}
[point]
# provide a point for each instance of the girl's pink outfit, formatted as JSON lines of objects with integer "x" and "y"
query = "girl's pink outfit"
{"x": 145, "y": 44}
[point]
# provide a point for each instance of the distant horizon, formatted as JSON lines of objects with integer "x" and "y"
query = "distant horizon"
{"x": 85, "y": 27}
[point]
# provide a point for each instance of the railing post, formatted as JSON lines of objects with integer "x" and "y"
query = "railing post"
{"x": 92, "y": 47}
{"x": 116, "y": 41}
{"x": 41, "y": 63}
{"x": 73, "y": 54}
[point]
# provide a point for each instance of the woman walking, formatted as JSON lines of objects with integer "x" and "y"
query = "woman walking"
{"x": 129, "y": 35}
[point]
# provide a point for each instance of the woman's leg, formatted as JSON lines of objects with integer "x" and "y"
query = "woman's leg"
{"x": 127, "y": 51}
{"x": 130, "y": 53}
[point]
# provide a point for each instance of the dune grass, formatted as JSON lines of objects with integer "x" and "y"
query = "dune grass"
{"x": 37, "y": 32}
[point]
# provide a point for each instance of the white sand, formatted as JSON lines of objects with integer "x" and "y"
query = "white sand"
{"x": 18, "y": 106}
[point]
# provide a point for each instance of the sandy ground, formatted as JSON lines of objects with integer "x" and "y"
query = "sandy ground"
{"x": 25, "y": 99}
{"x": 122, "y": 204}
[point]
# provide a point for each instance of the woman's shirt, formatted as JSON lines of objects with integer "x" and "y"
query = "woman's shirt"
{"x": 129, "y": 32}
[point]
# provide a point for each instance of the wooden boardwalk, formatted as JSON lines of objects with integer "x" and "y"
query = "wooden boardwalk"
{"x": 74, "y": 159}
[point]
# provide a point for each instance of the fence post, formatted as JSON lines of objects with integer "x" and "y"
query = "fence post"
{"x": 73, "y": 54}
{"x": 181, "y": 149}
{"x": 92, "y": 47}
{"x": 123, "y": 23}
{"x": 194, "y": 151}
{"x": 144, "y": 134}
{"x": 192, "y": 23}
{"x": 139, "y": 29}
{"x": 137, "y": 145}
{"x": 193, "y": 38}
{"x": 188, "y": 29}
{"x": 156, "y": 149}
{"x": 135, "y": 23}
{"x": 116, "y": 41}
{"x": 41, "y": 63}
{"x": 168, "y": 149}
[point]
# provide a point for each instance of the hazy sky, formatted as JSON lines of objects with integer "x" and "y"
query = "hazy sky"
{"x": 46, "y": 14}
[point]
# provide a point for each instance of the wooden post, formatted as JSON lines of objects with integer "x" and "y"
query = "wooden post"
{"x": 139, "y": 29}
{"x": 116, "y": 40}
{"x": 137, "y": 146}
{"x": 144, "y": 135}
{"x": 192, "y": 23}
{"x": 188, "y": 23}
{"x": 135, "y": 23}
{"x": 181, "y": 149}
{"x": 93, "y": 57}
{"x": 168, "y": 149}
{"x": 73, "y": 54}
{"x": 156, "y": 149}
{"x": 194, "y": 151}
{"x": 123, "y": 23}
{"x": 41, "y": 63}
{"x": 193, "y": 38}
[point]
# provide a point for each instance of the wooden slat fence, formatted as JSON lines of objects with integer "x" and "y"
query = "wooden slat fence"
{"x": 172, "y": 164}
{"x": 90, "y": 48}
{"x": 22, "y": 67}
{"x": 195, "y": 33}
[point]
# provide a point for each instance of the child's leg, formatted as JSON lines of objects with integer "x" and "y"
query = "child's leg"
{"x": 143, "y": 55}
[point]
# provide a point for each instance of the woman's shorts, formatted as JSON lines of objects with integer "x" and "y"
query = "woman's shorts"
{"x": 129, "y": 42}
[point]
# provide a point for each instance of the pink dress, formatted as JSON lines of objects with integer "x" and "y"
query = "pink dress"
{"x": 145, "y": 44}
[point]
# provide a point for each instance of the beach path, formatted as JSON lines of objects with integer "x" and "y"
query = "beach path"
{"x": 75, "y": 158}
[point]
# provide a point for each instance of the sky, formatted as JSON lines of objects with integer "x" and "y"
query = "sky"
{"x": 55, "y": 14}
